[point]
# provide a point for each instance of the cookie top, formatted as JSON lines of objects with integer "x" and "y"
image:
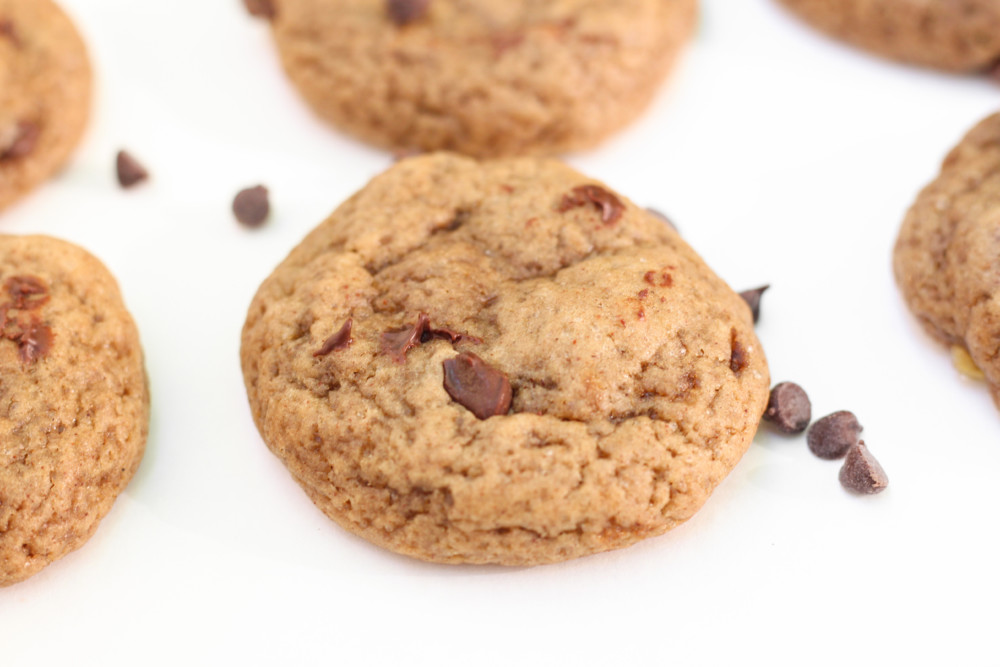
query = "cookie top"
{"x": 946, "y": 254}
{"x": 481, "y": 77}
{"x": 44, "y": 93}
{"x": 957, "y": 35}
{"x": 73, "y": 400}
{"x": 377, "y": 357}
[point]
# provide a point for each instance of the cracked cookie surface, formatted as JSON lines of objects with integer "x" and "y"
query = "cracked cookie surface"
{"x": 482, "y": 77}
{"x": 74, "y": 407}
{"x": 637, "y": 380}
{"x": 45, "y": 84}
{"x": 947, "y": 256}
{"x": 956, "y": 35}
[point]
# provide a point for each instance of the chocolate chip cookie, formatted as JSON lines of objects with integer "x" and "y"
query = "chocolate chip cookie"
{"x": 501, "y": 362}
{"x": 44, "y": 93}
{"x": 74, "y": 407}
{"x": 946, "y": 257}
{"x": 956, "y": 35}
{"x": 481, "y": 77}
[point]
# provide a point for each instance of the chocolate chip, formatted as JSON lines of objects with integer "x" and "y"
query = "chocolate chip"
{"x": 251, "y": 206}
{"x": 610, "y": 206}
{"x": 403, "y": 12}
{"x": 861, "y": 473}
{"x": 788, "y": 408}
{"x": 23, "y": 141}
{"x": 752, "y": 297}
{"x": 130, "y": 172}
{"x": 338, "y": 341}
{"x": 9, "y": 31}
{"x": 261, "y": 8}
{"x": 662, "y": 216}
{"x": 35, "y": 342}
{"x": 831, "y": 437}
{"x": 738, "y": 359}
{"x": 22, "y": 288}
{"x": 476, "y": 385}
{"x": 397, "y": 342}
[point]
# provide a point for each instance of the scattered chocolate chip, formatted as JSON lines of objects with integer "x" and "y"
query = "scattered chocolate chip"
{"x": 610, "y": 206}
{"x": 261, "y": 8}
{"x": 403, "y": 12}
{"x": 9, "y": 31}
{"x": 23, "y": 141}
{"x": 830, "y": 437}
{"x": 397, "y": 342}
{"x": 251, "y": 206}
{"x": 789, "y": 408}
{"x": 662, "y": 216}
{"x": 861, "y": 473}
{"x": 22, "y": 288}
{"x": 338, "y": 341}
{"x": 35, "y": 342}
{"x": 752, "y": 297}
{"x": 738, "y": 359}
{"x": 994, "y": 71}
{"x": 476, "y": 385}
{"x": 130, "y": 171}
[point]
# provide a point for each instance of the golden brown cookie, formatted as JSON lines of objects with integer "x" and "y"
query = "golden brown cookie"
{"x": 946, "y": 258}
{"x": 501, "y": 362}
{"x": 956, "y": 35}
{"x": 74, "y": 408}
{"x": 44, "y": 93}
{"x": 481, "y": 77}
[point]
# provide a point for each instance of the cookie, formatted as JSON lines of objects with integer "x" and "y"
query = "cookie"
{"x": 74, "y": 407}
{"x": 956, "y": 35}
{"x": 501, "y": 362}
{"x": 946, "y": 254}
{"x": 44, "y": 94}
{"x": 481, "y": 77}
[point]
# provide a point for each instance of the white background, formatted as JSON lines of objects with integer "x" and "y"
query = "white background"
{"x": 783, "y": 157}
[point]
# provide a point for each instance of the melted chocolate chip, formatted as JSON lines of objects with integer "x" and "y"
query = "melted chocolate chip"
{"x": 261, "y": 8}
{"x": 738, "y": 359}
{"x": 9, "y": 32}
{"x": 35, "y": 342}
{"x": 403, "y": 12}
{"x": 130, "y": 171}
{"x": 861, "y": 473}
{"x": 789, "y": 408}
{"x": 251, "y": 206}
{"x": 752, "y": 297}
{"x": 338, "y": 341}
{"x": 24, "y": 140}
{"x": 397, "y": 342}
{"x": 22, "y": 288}
{"x": 477, "y": 386}
{"x": 610, "y": 206}
{"x": 831, "y": 437}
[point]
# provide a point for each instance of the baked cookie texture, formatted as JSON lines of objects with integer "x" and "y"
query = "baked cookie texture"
{"x": 636, "y": 376}
{"x": 947, "y": 257}
{"x": 482, "y": 77}
{"x": 45, "y": 84}
{"x": 955, "y": 35}
{"x": 74, "y": 407}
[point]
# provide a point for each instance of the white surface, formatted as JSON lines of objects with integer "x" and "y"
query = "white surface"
{"x": 783, "y": 158}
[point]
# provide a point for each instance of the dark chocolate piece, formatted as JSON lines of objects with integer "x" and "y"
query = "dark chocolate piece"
{"x": 261, "y": 8}
{"x": 35, "y": 341}
{"x": 752, "y": 297}
{"x": 22, "y": 288}
{"x": 789, "y": 408}
{"x": 861, "y": 473}
{"x": 830, "y": 437}
{"x": 610, "y": 206}
{"x": 403, "y": 12}
{"x": 476, "y": 385}
{"x": 398, "y": 342}
{"x": 738, "y": 358}
{"x": 9, "y": 31}
{"x": 338, "y": 341}
{"x": 251, "y": 206}
{"x": 130, "y": 171}
{"x": 24, "y": 141}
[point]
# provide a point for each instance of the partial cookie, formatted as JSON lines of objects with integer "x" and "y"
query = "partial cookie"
{"x": 481, "y": 77}
{"x": 956, "y": 35}
{"x": 44, "y": 93}
{"x": 946, "y": 257}
{"x": 501, "y": 362}
{"x": 74, "y": 408}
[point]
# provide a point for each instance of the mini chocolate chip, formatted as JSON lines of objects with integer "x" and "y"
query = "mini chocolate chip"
{"x": 861, "y": 473}
{"x": 407, "y": 11}
{"x": 662, "y": 216}
{"x": 22, "y": 288}
{"x": 24, "y": 140}
{"x": 476, "y": 385}
{"x": 261, "y": 8}
{"x": 35, "y": 342}
{"x": 738, "y": 359}
{"x": 752, "y": 297}
{"x": 610, "y": 206}
{"x": 338, "y": 341}
{"x": 397, "y": 342}
{"x": 251, "y": 206}
{"x": 830, "y": 437}
{"x": 130, "y": 171}
{"x": 789, "y": 408}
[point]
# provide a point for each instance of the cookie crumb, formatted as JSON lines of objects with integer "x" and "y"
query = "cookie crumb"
{"x": 251, "y": 206}
{"x": 611, "y": 207}
{"x": 261, "y": 8}
{"x": 338, "y": 341}
{"x": 832, "y": 436}
{"x": 477, "y": 386}
{"x": 130, "y": 171}
{"x": 789, "y": 408}
{"x": 21, "y": 142}
{"x": 403, "y": 12}
{"x": 861, "y": 473}
{"x": 752, "y": 297}
{"x": 963, "y": 362}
